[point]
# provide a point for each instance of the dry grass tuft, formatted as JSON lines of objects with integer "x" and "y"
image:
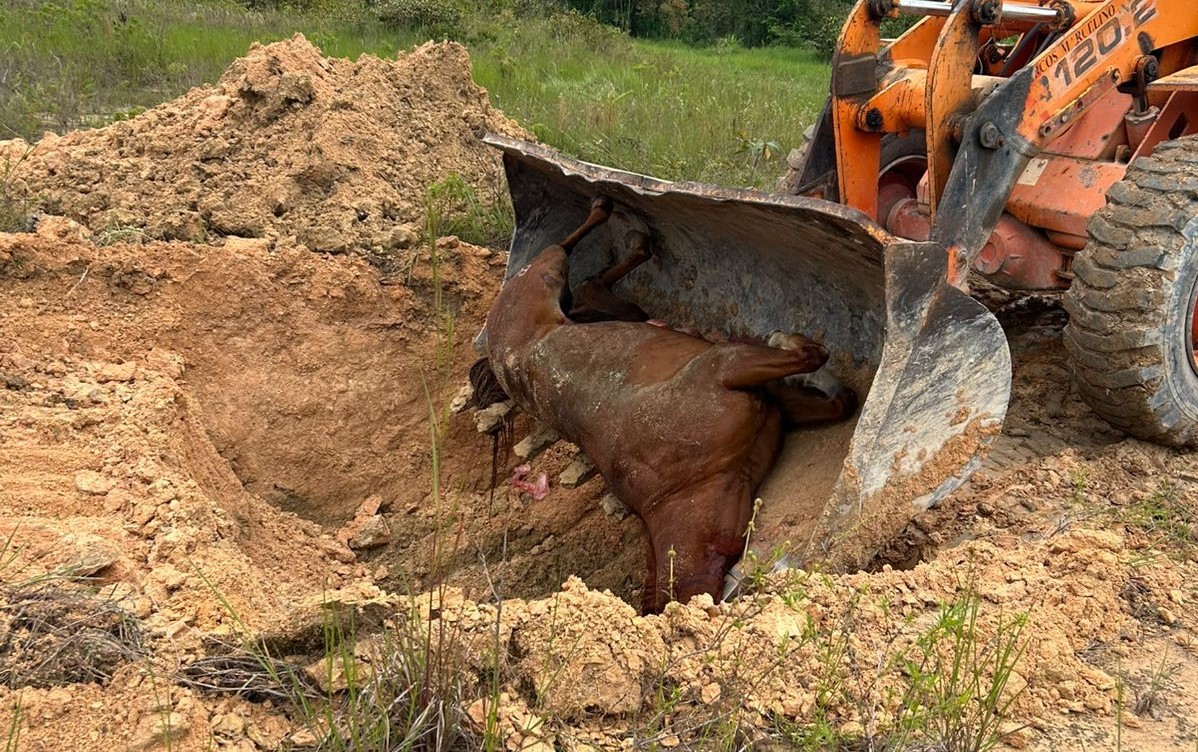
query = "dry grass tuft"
{"x": 54, "y": 633}
{"x": 252, "y": 676}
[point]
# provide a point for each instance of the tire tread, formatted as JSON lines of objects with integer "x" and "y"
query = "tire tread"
{"x": 1116, "y": 337}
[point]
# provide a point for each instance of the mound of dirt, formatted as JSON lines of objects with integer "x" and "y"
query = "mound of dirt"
{"x": 331, "y": 154}
{"x": 838, "y": 646}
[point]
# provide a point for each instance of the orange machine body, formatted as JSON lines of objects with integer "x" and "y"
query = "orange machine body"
{"x": 1026, "y": 122}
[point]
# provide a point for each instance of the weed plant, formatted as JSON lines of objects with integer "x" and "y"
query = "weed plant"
{"x": 1160, "y": 682}
{"x": 405, "y": 689}
{"x": 959, "y": 697}
{"x": 12, "y": 741}
{"x": 1169, "y": 519}
{"x": 15, "y": 209}
{"x": 952, "y": 692}
{"x": 453, "y": 207}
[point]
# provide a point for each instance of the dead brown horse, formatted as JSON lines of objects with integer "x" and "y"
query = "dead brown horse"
{"x": 681, "y": 429}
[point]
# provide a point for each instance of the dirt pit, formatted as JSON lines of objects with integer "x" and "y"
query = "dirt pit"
{"x": 230, "y": 439}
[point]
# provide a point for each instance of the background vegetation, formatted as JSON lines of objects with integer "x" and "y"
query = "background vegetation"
{"x": 812, "y": 23}
{"x": 674, "y": 88}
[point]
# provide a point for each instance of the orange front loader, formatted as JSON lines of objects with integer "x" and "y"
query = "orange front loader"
{"x": 1042, "y": 146}
{"x": 1001, "y": 130}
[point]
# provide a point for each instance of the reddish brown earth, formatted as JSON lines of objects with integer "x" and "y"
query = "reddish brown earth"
{"x": 219, "y": 353}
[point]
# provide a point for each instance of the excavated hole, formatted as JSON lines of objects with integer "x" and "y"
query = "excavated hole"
{"x": 513, "y": 546}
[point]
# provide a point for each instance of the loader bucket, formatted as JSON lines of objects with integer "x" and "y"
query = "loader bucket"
{"x": 930, "y": 363}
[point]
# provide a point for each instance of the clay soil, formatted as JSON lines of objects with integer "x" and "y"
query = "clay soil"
{"x": 228, "y": 363}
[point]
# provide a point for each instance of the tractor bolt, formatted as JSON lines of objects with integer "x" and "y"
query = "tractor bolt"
{"x": 990, "y": 136}
{"x": 986, "y": 12}
{"x": 1066, "y": 14}
{"x": 1147, "y": 70}
{"x": 874, "y": 121}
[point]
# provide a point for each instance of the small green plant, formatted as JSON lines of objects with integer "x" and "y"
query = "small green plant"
{"x": 163, "y": 705}
{"x": 9, "y": 551}
{"x": 1079, "y": 508}
{"x": 840, "y": 683}
{"x": 958, "y": 696}
{"x": 1161, "y": 680}
{"x": 1118, "y": 708}
{"x": 671, "y": 555}
{"x": 443, "y": 327}
{"x": 12, "y": 741}
{"x": 1080, "y": 479}
{"x": 405, "y": 692}
{"x": 14, "y": 209}
{"x": 665, "y": 701}
{"x": 758, "y": 150}
{"x": 120, "y": 234}
{"x": 550, "y": 671}
{"x": 452, "y": 207}
{"x": 494, "y": 663}
{"x": 823, "y": 732}
{"x": 1168, "y": 518}
{"x": 755, "y": 572}
{"x": 127, "y": 113}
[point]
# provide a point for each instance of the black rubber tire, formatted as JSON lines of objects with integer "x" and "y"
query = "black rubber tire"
{"x": 894, "y": 148}
{"x": 1130, "y": 304}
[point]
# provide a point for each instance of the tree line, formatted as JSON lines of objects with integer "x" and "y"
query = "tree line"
{"x": 814, "y": 23}
{"x": 751, "y": 23}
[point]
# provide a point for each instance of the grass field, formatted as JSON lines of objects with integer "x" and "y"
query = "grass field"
{"x": 722, "y": 114}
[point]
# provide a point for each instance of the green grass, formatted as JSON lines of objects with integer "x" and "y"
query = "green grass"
{"x": 1167, "y": 518}
{"x": 722, "y": 114}
{"x": 677, "y": 112}
{"x": 12, "y": 741}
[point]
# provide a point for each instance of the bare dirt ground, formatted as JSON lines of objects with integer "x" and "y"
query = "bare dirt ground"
{"x": 215, "y": 348}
